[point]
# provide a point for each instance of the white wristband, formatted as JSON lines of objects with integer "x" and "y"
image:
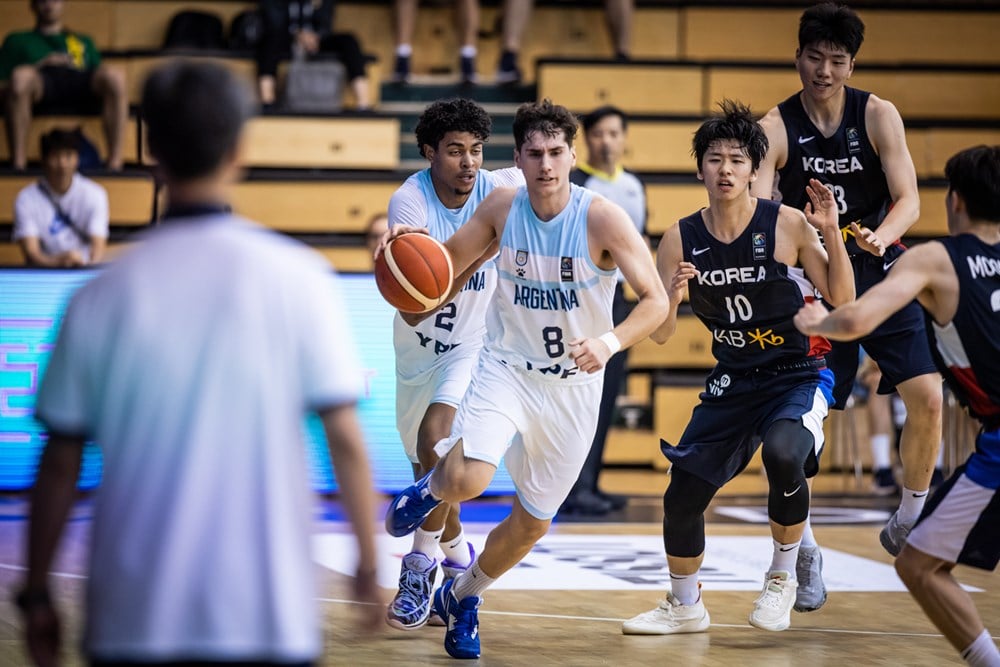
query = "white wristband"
{"x": 611, "y": 340}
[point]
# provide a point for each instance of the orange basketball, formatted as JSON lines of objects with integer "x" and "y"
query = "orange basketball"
{"x": 414, "y": 273}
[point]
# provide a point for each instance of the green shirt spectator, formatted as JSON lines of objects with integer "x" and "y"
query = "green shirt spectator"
{"x": 30, "y": 47}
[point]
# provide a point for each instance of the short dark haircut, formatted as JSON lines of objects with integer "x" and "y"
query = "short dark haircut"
{"x": 737, "y": 123}
{"x": 545, "y": 117}
{"x": 600, "y": 113}
{"x": 974, "y": 174}
{"x": 193, "y": 114}
{"x": 60, "y": 140}
{"x": 830, "y": 23}
{"x": 456, "y": 115}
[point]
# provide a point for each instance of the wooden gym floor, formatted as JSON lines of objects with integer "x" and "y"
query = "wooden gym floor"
{"x": 564, "y": 605}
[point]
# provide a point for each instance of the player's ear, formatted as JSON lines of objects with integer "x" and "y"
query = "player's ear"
{"x": 517, "y": 158}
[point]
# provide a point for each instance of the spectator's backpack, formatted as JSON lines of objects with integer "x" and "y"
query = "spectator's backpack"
{"x": 246, "y": 30}
{"x": 314, "y": 86}
{"x": 194, "y": 30}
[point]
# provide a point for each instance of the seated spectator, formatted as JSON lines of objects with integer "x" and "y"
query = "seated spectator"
{"x": 377, "y": 226}
{"x": 62, "y": 219}
{"x": 52, "y": 68}
{"x": 617, "y": 13}
{"x": 305, "y": 25}
{"x": 467, "y": 22}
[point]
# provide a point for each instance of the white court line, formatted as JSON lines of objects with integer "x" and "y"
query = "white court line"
{"x": 69, "y": 575}
{"x": 564, "y": 617}
{"x": 21, "y": 568}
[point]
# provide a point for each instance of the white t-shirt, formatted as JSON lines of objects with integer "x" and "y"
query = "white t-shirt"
{"x": 191, "y": 362}
{"x": 85, "y": 204}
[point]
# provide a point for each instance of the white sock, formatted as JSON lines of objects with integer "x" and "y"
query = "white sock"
{"x": 685, "y": 587}
{"x": 456, "y": 550}
{"x": 404, "y": 50}
{"x": 911, "y": 505}
{"x": 880, "y": 452}
{"x": 426, "y": 542}
{"x": 783, "y": 558}
{"x": 808, "y": 539}
{"x": 472, "y": 582}
{"x": 982, "y": 652}
{"x": 467, "y": 51}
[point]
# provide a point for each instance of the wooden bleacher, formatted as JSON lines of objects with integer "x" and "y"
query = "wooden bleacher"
{"x": 92, "y": 129}
{"x": 130, "y": 196}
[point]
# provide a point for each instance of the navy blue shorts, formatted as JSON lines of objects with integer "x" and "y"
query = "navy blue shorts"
{"x": 735, "y": 412}
{"x": 899, "y": 345}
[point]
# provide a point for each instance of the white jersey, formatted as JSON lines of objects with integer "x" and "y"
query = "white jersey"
{"x": 460, "y": 323}
{"x": 549, "y": 291}
{"x": 191, "y": 362}
{"x": 84, "y": 208}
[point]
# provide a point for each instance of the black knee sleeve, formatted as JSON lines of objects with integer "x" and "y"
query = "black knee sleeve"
{"x": 684, "y": 504}
{"x": 787, "y": 449}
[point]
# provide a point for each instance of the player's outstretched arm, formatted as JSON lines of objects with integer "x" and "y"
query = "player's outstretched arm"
{"x": 828, "y": 268}
{"x": 885, "y": 128}
{"x": 777, "y": 152}
{"x": 350, "y": 461}
{"x": 674, "y": 274}
{"x": 917, "y": 274}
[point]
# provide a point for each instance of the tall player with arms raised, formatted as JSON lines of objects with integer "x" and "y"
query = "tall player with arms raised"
{"x": 435, "y": 355}
{"x": 957, "y": 281}
{"x": 748, "y": 264}
{"x": 854, "y": 142}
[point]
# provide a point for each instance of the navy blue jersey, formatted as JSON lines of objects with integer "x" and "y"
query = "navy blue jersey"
{"x": 967, "y": 349}
{"x": 744, "y": 296}
{"x": 845, "y": 162}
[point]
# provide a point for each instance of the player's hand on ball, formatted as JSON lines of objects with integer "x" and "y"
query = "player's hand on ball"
{"x": 393, "y": 232}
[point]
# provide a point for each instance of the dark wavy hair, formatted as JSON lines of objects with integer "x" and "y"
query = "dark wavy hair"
{"x": 456, "y": 115}
{"x": 974, "y": 174}
{"x": 545, "y": 117}
{"x": 737, "y": 123}
{"x": 830, "y": 23}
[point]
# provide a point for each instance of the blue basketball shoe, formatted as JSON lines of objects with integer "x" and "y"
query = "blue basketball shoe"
{"x": 409, "y": 509}
{"x": 451, "y": 570}
{"x": 461, "y": 639}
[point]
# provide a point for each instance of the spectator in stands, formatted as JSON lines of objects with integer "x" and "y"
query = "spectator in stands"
{"x": 306, "y": 25}
{"x": 52, "y": 68}
{"x": 467, "y": 24}
{"x": 515, "y": 20}
{"x": 62, "y": 219}
{"x": 604, "y": 130}
{"x": 377, "y": 226}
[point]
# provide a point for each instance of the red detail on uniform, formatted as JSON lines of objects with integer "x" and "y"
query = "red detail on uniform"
{"x": 979, "y": 402}
{"x": 818, "y": 346}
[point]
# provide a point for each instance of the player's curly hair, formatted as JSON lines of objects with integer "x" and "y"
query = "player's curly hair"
{"x": 831, "y": 23}
{"x": 736, "y": 123}
{"x": 545, "y": 117}
{"x": 456, "y": 115}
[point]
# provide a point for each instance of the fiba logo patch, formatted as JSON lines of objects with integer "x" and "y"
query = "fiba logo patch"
{"x": 717, "y": 386}
{"x": 853, "y": 140}
{"x": 566, "y": 269}
{"x": 759, "y": 241}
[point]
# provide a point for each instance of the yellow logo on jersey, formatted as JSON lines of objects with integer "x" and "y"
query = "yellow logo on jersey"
{"x": 765, "y": 338}
{"x": 76, "y": 50}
